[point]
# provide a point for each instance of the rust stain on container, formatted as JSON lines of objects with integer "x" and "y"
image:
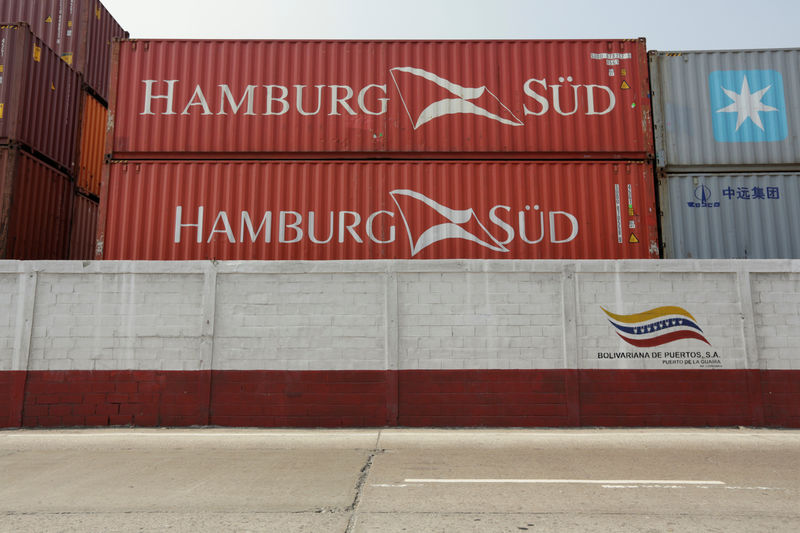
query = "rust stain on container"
{"x": 35, "y": 208}
{"x": 394, "y": 99}
{"x": 378, "y": 210}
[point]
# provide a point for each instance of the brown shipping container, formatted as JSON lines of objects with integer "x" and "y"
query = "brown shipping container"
{"x": 35, "y": 208}
{"x": 84, "y": 228}
{"x": 93, "y": 131}
{"x": 94, "y": 57}
{"x": 328, "y": 210}
{"x": 79, "y": 31}
{"x": 38, "y": 97}
{"x": 410, "y": 99}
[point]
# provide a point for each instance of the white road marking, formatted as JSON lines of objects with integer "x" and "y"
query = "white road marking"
{"x": 573, "y": 481}
{"x": 753, "y": 488}
{"x": 646, "y": 487}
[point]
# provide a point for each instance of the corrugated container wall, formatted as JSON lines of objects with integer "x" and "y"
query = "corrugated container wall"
{"x": 93, "y": 133}
{"x": 727, "y": 110}
{"x": 56, "y": 22}
{"x": 38, "y": 96}
{"x": 378, "y": 210}
{"x": 395, "y": 99}
{"x": 80, "y": 31}
{"x": 35, "y": 208}
{"x": 94, "y": 57}
{"x": 736, "y": 216}
{"x": 84, "y": 228}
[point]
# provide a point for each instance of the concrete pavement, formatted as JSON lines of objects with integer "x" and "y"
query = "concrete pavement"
{"x": 399, "y": 480}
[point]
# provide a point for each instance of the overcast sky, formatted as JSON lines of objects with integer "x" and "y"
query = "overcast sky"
{"x": 667, "y": 24}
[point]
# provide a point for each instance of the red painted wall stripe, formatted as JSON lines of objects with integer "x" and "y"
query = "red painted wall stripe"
{"x": 525, "y": 398}
{"x": 781, "y": 393}
{"x": 12, "y": 388}
{"x": 299, "y": 399}
{"x": 116, "y": 398}
{"x": 665, "y": 398}
{"x": 446, "y": 398}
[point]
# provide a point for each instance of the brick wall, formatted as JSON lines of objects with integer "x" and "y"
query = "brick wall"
{"x": 303, "y": 321}
{"x": 111, "y": 321}
{"x": 447, "y": 343}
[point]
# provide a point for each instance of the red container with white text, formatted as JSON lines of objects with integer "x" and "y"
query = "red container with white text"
{"x": 338, "y": 210}
{"x": 569, "y": 100}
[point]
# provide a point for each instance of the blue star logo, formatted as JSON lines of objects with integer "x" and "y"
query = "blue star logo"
{"x": 747, "y": 105}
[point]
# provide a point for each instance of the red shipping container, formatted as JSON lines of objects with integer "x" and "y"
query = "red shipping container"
{"x": 80, "y": 31}
{"x": 84, "y": 228}
{"x": 377, "y": 210}
{"x": 38, "y": 96}
{"x": 353, "y": 99}
{"x": 35, "y": 208}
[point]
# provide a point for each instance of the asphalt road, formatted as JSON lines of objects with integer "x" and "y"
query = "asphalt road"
{"x": 400, "y": 480}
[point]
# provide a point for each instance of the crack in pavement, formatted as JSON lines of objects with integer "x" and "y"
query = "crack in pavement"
{"x": 362, "y": 481}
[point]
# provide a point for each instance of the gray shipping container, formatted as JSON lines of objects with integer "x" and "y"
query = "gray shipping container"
{"x": 735, "y": 216}
{"x": 726, "y": 110}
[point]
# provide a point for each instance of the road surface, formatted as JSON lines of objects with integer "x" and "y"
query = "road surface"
{"x": 396, "y": 480}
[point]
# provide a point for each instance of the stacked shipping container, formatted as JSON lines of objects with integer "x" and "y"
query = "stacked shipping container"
{"x": 57, "y": 114}
{"x": 79, "y": 31}
{"x": 345, "y": 104}
{"x": 309, "y": 150}
{"x": 312, "y": 150}
{"x": 87, "y": 185}
{"x": 39, "y": 96}
{"x": 728, "y": 152}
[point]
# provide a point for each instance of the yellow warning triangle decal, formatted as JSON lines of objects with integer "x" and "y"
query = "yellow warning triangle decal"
{"x": 48, "y": 20}
{"x": 625, "y": 85}
{"x": 633, "y": 239}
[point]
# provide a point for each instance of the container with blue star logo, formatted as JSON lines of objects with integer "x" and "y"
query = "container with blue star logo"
{"x": 747, "y": 106}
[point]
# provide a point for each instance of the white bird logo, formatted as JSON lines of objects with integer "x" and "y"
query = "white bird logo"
{"x": 450, "y": 106}
{"x": 447, "y": 230}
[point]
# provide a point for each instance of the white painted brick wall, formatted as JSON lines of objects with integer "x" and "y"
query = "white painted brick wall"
{"x": 776, "y": 303}
{"x": 325, "y": 321}
{"x": 117, "y": 321}
{"x": 383, "y": 314}
{"x": 9, "y": 300}
{"x": 479, "y": 320}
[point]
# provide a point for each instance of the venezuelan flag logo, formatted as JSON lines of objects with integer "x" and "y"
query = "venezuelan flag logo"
{"x": 656, "y": 327}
